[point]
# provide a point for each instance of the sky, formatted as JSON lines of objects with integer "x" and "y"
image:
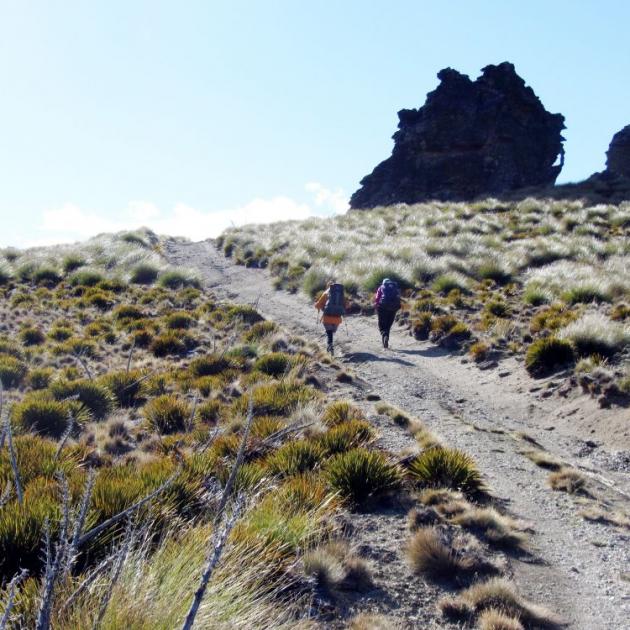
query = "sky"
{"x": 192, "y": 116}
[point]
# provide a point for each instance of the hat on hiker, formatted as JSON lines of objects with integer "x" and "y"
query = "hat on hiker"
{"x": 385, "y": 280}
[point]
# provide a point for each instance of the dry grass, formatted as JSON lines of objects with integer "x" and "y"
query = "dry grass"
{"x": 567, "y": 480}
{"x": 495, "y": 619}
{"x": 498, "y": 594}
{"x": 368, "y": 621}
{"x": 492, "y": 526}
{"x": 543, "y": 459}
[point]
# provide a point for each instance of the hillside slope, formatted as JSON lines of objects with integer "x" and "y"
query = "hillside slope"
{"x": 577, "y": 563}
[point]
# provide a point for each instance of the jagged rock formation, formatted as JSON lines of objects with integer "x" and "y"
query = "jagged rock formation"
{"x": 471, "y": 138}
{"x": 618, "y": 154}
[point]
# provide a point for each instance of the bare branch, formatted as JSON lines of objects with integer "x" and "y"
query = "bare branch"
{"x": 191, "y": 421}
{"x": 89, "y": 580}
{"x": 218, "y": 539}
{"x": 3, "y": 429}
{"x": 239, "y": 460}
{"x": 65, "y": 436}
{"x": 13, "y": 457}
{"x": 133, "y": 345}
{"x": 80, "y": 358}
{"x": 95, "y": 531}
{"x": 13, "y": 585}
{"x": 5, "y": 497}
{"x": 121, "y": 556}
{"x": 79, "y": 522}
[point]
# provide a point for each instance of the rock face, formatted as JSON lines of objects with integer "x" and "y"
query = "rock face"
{"x": 618, "y": 154}
{"x": 470, "y": 138}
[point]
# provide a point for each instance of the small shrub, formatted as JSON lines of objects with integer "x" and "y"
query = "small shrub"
{"x": 12, "y": 371}
{"x": 314, "y": 283}
{"x": 341, "y": 411}
{"x": 167, "y": 414}
{"x": 126, "y": 312}
{"x": 273, "y": 363}
{"x": 584, "y": 295}
{"x": 421, "y": 326}
{"x": 496, "y": 619}
{"x": 275, "y": 399}
{"x": 498, "y": 308}
{"x": 620, "y": 312}
{"x": 72, "y": 262}
{"x": 440, "y": 467}
{"x": 48, "y": 276}
{"x": 103, "y": 300}
{"x": 177, "y": 280}
{"x": 430, "y": 556}
{"x": 294, "y": 458}
{"x": 144, "y": 273}
{"x": 259, "y": 330}
{"x": 444, "y": 284}
{"x": 479, "y": 351}
{"x": 594, "y": 333}
{"x": 42, "y": 415}
{"x": 168, "y": 343}
{"x": 535, "y": 296}
{"x": 32, "y": 336}
{"x": 94, "y": 396}
{"x": 210, "y": 412}
{"x": 360, "y": 474}
{"x": 125, "y": 387}
{"x": 376, "y": 277}
{"x": 546, "y": 355}
{"x": 346, "y": 436}
{"x": 39, "y": 378}
{"x": 248, "y": 314}
{"x": 567, "y": 480}
{"x": 86, "y": 278}
{"x": 60, "y": 333}
{"x": 209, "y": 365}
{"x": 491, "y": 270}
{"x": 180, "y": 320}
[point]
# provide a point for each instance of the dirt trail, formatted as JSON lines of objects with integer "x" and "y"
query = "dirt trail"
{"x": 577, "y": 568}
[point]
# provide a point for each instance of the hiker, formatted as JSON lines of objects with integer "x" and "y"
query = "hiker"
{"x": 387, "y": 304}
{"x": 333, "y": 303}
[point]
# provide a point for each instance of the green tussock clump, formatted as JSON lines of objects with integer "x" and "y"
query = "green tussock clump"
{"x": 295, "y": 458}
{"x": 273, "y": 363}
{"x": 94, "y": 396}
{"x": 360, "y": 474}
{"x": 12, "y": 371}
{"x": 170, "y": 343}
{"x": 440, "y": 467}
{"x": 167, "y": 414}
{"x": 180, "y": 320}
{"x": 178, "y": 280}
{"x": 341, "y": 411}
{"x": 144, "y": 274}
{"x": 125, "y": 387}
{"x": 346, "y": 436}
{"x": 275, "y": 399}
{"x": 209, "y": 365}
{"x": 547, "y": 355}
{"x": 86, "y": 278}
{"x": 42, "y": 415}
{"x": 260, "y": 330}
{"x": 32, "y": 336}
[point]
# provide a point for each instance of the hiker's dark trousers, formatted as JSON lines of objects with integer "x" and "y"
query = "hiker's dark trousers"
{"x": 385, "y": 320}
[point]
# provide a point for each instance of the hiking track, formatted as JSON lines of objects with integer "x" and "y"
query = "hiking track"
{"x": 577, "y": 568}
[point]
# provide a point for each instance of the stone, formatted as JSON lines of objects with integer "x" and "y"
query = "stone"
{"x": 471, "y": 138}
{"x": 618, "y": 154}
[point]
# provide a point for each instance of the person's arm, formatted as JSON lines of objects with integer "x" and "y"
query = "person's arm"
{"x": 377, "y": 296}
{"x": 321, "y": 302}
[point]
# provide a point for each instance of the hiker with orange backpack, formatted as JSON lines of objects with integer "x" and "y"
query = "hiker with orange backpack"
{"x": 387, "y": 304}
{"x": 333, "y": 304}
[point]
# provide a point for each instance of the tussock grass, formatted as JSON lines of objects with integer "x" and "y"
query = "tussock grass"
{"x": 360, "y": 474}
{"x": 547, "y": 355}
{"x": 567, "y": 480}
{"x": 499, "y": 594}
{"x": 594, "y": 333}
{"x": 441, "y": 467}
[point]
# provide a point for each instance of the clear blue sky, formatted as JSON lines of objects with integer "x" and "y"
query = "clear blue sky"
{"x": 180, "y": 113}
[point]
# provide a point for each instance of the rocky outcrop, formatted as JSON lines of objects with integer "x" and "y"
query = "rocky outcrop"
{"x": 471, "y": 138}
{"x": 618, "y": 154}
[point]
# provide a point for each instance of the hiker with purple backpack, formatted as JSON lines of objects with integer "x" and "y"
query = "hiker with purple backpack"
{"x": 333, "y": 303}
{"x": 387, "y": 304}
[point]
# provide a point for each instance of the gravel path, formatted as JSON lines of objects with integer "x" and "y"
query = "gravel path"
{"x": 579, "y": 569}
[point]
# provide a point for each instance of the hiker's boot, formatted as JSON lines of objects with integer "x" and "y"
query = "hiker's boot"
{"x": 385, "y": 340}
{"x": 331, "y": 350}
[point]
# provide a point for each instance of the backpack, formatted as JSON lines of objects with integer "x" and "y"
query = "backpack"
{"x": 390, "y": 296}
{"x": 335, "y": 304}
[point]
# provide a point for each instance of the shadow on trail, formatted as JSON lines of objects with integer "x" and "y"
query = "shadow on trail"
{"x": 364, "y": 357}
{"x": 434, "y": 351}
